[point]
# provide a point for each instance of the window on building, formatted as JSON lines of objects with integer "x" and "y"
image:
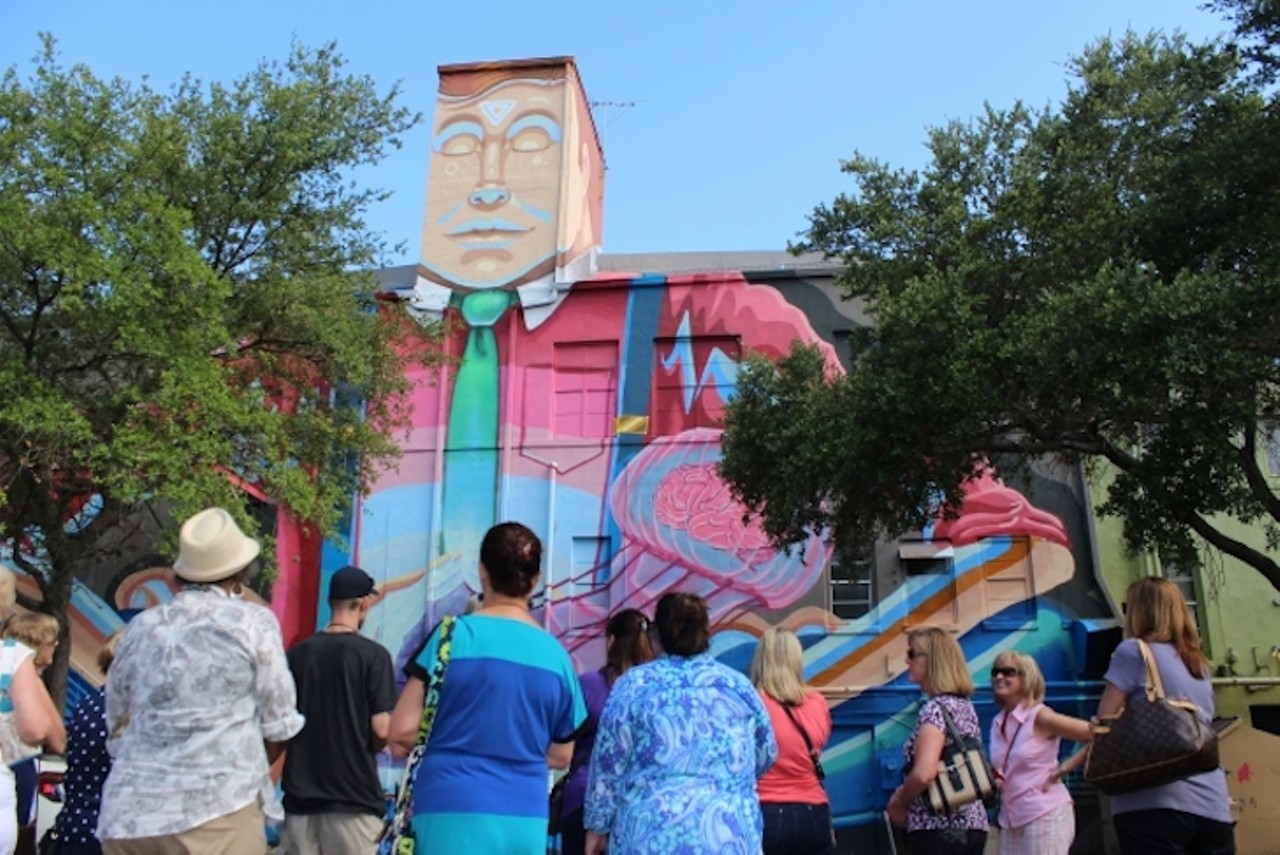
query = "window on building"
{"x": 694, "y": 377}
{"x": 1271, "y": 446}
{"x": 585, "y": 389}
{"x": 852, "y": 583}
{"x": 1180, "y": 571}
{"x": 920, "y": 558}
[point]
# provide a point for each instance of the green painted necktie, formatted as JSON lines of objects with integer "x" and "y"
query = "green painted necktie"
{"x": 471, "y": 447}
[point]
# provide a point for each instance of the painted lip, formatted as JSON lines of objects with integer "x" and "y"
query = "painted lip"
{"x": 481, "y": 227}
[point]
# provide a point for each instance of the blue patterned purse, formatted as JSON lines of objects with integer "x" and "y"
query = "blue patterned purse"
{"x": 397, "y": 836}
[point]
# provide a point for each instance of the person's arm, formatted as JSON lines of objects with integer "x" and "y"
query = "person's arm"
{"x": 597, "y": 844}
{"x": 1111, "y": 702}
{"x": 275, "y": 750}
{"x": 379, "y": 729}
{"x": 115, "y": 703}
{"x": 1065, "y": 768}
{"x": 1050, "y": 723}
{"x": 559, "y": 755}
{"x": 571, "y": 720}
{"x": 610, "y": 760}
{"x": 924, "y": 768}
{"x": 766, "y": 744}
{"x": 406, "y": 717}
{"x": 273, "y": 686}
{"x": 35, "y": 717}
{"x": 381, "y": 696}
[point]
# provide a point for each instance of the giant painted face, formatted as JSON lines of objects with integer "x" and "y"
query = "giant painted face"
{"x": 495, "y": 179}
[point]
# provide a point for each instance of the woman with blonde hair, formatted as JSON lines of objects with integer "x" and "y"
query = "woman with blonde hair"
{"x": 1037, "y": 816}
{"x": 35, "y": 718}
{"x": 796, "y": 809}
{"x": 1193, "y": 814}
{"x": 937, "y": 665}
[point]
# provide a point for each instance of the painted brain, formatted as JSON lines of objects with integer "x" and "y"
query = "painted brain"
{"x": 683, "y": 529}
{"x": 695, "y": 500}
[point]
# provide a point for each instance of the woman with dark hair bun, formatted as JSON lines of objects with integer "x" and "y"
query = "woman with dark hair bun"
{"x": 680, "y": 745}
{"x": 507, "y": 709}
{"x": 627, "y": 644}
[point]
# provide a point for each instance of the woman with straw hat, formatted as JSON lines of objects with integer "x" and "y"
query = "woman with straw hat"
{"x": 203, "y": 690}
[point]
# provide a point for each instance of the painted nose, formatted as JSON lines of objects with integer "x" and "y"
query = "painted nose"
{"x": 489, "y": 197}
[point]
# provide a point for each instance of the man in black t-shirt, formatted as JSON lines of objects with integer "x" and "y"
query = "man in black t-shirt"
{"x": 333, "y": 801}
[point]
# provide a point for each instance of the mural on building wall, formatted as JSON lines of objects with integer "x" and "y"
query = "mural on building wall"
{"x": 587, "y": 405}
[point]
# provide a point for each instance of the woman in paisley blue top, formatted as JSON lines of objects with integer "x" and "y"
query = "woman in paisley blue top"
{"x": 680, "y": 745}
{"x": 936, "y": 663}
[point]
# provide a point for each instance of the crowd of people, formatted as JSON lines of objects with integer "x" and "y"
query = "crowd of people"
{"x": 664, "y": 749}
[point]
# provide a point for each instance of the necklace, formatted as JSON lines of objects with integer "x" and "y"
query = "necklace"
{"x": 339, "y": 627}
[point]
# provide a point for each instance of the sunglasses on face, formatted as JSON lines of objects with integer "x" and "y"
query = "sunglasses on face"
{"x": 1005, "y": 672}
{"x": 915, "y": 654}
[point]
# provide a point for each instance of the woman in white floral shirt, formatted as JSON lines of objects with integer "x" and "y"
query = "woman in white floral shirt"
{"x": 203, "y": 693}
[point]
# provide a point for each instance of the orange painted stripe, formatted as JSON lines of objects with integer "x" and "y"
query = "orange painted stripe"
{"x": 1018, "y": 551}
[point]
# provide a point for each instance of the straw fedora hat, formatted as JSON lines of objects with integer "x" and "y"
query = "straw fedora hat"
{"x": 211, "y": 547}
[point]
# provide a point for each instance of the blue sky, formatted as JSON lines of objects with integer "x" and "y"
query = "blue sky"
{"x": 740, "y": 116}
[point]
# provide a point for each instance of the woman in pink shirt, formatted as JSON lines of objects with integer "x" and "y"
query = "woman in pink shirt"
{"x": 1036, "y": 813}
{"x": 797, "y": 812}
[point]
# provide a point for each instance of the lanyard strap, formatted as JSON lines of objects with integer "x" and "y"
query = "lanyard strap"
{"x": 1008, "y": 752}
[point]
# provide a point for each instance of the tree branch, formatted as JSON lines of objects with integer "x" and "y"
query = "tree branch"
{"x": 1253, "y": 475}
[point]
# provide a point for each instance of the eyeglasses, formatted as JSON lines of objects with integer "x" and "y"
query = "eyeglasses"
{"x": 1009, "y": 673}
{"x": 915, "y": 654}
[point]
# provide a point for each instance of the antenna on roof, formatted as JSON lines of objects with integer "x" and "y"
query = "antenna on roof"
{"x": 611, "y": 110}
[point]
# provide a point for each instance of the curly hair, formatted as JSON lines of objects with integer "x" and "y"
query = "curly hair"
{"x": 683, "y": 623}
{"x": 512, "y": 555}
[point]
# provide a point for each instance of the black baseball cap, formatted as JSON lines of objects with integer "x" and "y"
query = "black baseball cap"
{"x": 351, "y": 583}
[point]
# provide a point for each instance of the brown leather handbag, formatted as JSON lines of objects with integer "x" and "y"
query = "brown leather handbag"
{"x": 1153, "y": 740}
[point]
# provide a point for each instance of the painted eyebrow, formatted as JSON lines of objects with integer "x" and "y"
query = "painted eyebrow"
{"x": 457, "y": 129}
{"x": 536, "y": 120}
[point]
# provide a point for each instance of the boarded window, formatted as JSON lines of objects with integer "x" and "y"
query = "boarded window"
{"x": 585, "y": 389}
{"x": 694, "y": 377}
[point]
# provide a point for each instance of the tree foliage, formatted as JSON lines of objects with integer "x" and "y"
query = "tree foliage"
{"x": 186, "y": 298}
{"x": 1096, "y": 282}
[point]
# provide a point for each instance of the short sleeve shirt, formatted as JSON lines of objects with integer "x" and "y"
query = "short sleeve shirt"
{"x": 1202, "y": 795}
{"x": 919, "y": 816}
{"x": 199, "y": 684}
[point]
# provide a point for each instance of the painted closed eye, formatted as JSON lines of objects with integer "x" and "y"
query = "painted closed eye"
{"x": 458, "y": 138}
{"x": 533, "y": 139}
{"x": 531, "y": 133}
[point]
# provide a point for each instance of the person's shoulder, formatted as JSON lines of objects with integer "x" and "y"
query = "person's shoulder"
{"x": 593, "y": 679}
{"x": 1128, "y": 649}
{"x": 728, "y": 675}
{"x": 371, "y": 648}
{"x": 814, "y": 698}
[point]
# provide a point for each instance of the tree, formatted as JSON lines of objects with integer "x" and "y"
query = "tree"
{"x": 1097, "y": 283}
{"x": 186, "y": 301}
